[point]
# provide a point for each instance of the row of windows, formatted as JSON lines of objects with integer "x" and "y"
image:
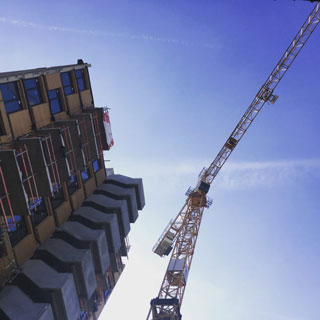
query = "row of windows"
{"x": 39, "y": 210}
{"x": 33, "y": 91}
{"x": 11, "y": 97}
{"x": 66, "y": 78}
{"x": 54, "y": 101}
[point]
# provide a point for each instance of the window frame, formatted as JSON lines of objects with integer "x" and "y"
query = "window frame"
{"x": 37, "y": 216}
{"x": 69, "y": 85}
{"x": 87, "y": 172}
{"x": 37, "y": 87}
{"x": 81, "y": 77}
{"x": 2, "y": 128}
{"x": 58, "y": 98}
{"x": 73, "y": 184}
{"x": 17, "y": 94}
{"x": 57, "y": 198}
{"x": 19, "y": 232}
{"x": 93, "y": 165}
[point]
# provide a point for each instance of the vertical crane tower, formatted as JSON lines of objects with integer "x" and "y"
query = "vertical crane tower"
{"x": 181, "y": 234}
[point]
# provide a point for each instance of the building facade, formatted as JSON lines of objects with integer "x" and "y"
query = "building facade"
{"x": 65, "y": 219}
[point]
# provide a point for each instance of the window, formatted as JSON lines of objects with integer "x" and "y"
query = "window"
{"x": 37, "y": 216}
{"x": 55, "y": 101}
{"x": 119, "y": 261}
{"x": 33, "y": 92}
{"x": 67, "y": 83}
{"x": 85, "y": 175}
{"x": 96, "y": 165}
{"x": 3, "y": 250}
{"x": 83, "y": 315}
{"x": 2, "y": 133}
{"x": 57, "y": 198}
{"x": 10, "y": 96}
{"x": 81, "y": 80}
{"x": 72, "y": 184}
{"x": 94, "y": 302}
{"x": 18, "y": 231}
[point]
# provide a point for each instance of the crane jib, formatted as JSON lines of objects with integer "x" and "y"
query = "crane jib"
{"x": 182, "y": 232}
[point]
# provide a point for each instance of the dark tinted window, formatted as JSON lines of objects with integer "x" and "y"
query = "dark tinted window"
{"x": 1, "y": 129}
{"x": 85, "y": 175}
{"x": 57, "y": 198}
{"x": 3, "y": 250}
{"x": 83, "y": 315}
{"x": 96, "y": 165}
{"x": 10, "y": 96}
{"x": 33, "y": 91}
{"x": 18, "y": 230}
{"x": 67, "y": 83}
{"x": 80, "y": 79}
{"x": 54, "y": 100}
{"x": 72, "y": 184}
{"x": 38, "y": 211}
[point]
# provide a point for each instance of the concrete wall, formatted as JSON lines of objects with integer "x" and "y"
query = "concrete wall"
{"x": 16, "y": 305}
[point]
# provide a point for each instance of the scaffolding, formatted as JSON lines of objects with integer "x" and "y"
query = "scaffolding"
{"x": 120, "y": 265}
{"x": 105, "y": 284}
{"x": 5, "y": 200}
{"x": 50, "y": 159}
{"x": 51, "y": 163}
{"x": 28, "y": 179}
{"x": 19, "y": 195}
{"x": 97, "y": 133}
{"x": 68, "y": 150}
{"x": 7, "y": 259}
{"x": 26, "y": 174}
{"x": 84, "y": 314}
{"x": 85, "y": 145}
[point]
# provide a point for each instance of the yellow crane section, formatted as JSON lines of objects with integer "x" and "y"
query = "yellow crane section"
{"x": 182, "y": 232}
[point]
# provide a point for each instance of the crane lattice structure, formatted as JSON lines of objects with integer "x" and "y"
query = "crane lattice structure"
{"x": 182, "y": 232}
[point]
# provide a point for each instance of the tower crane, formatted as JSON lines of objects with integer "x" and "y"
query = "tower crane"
{"x": 181, "y": 234}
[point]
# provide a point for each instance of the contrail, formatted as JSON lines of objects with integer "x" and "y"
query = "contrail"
{"x": 240, "y": 175}
{"x": 144, "y": 37}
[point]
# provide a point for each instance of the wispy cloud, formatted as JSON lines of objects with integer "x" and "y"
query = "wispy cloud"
{"x": 235, "y": 175}
{"x": 277, "y": 316}
{"x": 99, "y": 33}
{"x": 268, "y": 174}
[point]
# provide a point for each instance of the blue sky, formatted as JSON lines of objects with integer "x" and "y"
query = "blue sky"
{"x": 178, "y": 75}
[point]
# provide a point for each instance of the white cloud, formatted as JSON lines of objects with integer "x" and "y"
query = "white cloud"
{"x": 99, "y": 33}
{"x": 234, "y": 175}
{"x": 277, "y": 316}
{"x": 267, "y": 174}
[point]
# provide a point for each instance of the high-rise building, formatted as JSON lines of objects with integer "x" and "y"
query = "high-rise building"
{"x": 65, "y": 218}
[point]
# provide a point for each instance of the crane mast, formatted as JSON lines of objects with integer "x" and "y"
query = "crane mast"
{"x": 181, "y": 234}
